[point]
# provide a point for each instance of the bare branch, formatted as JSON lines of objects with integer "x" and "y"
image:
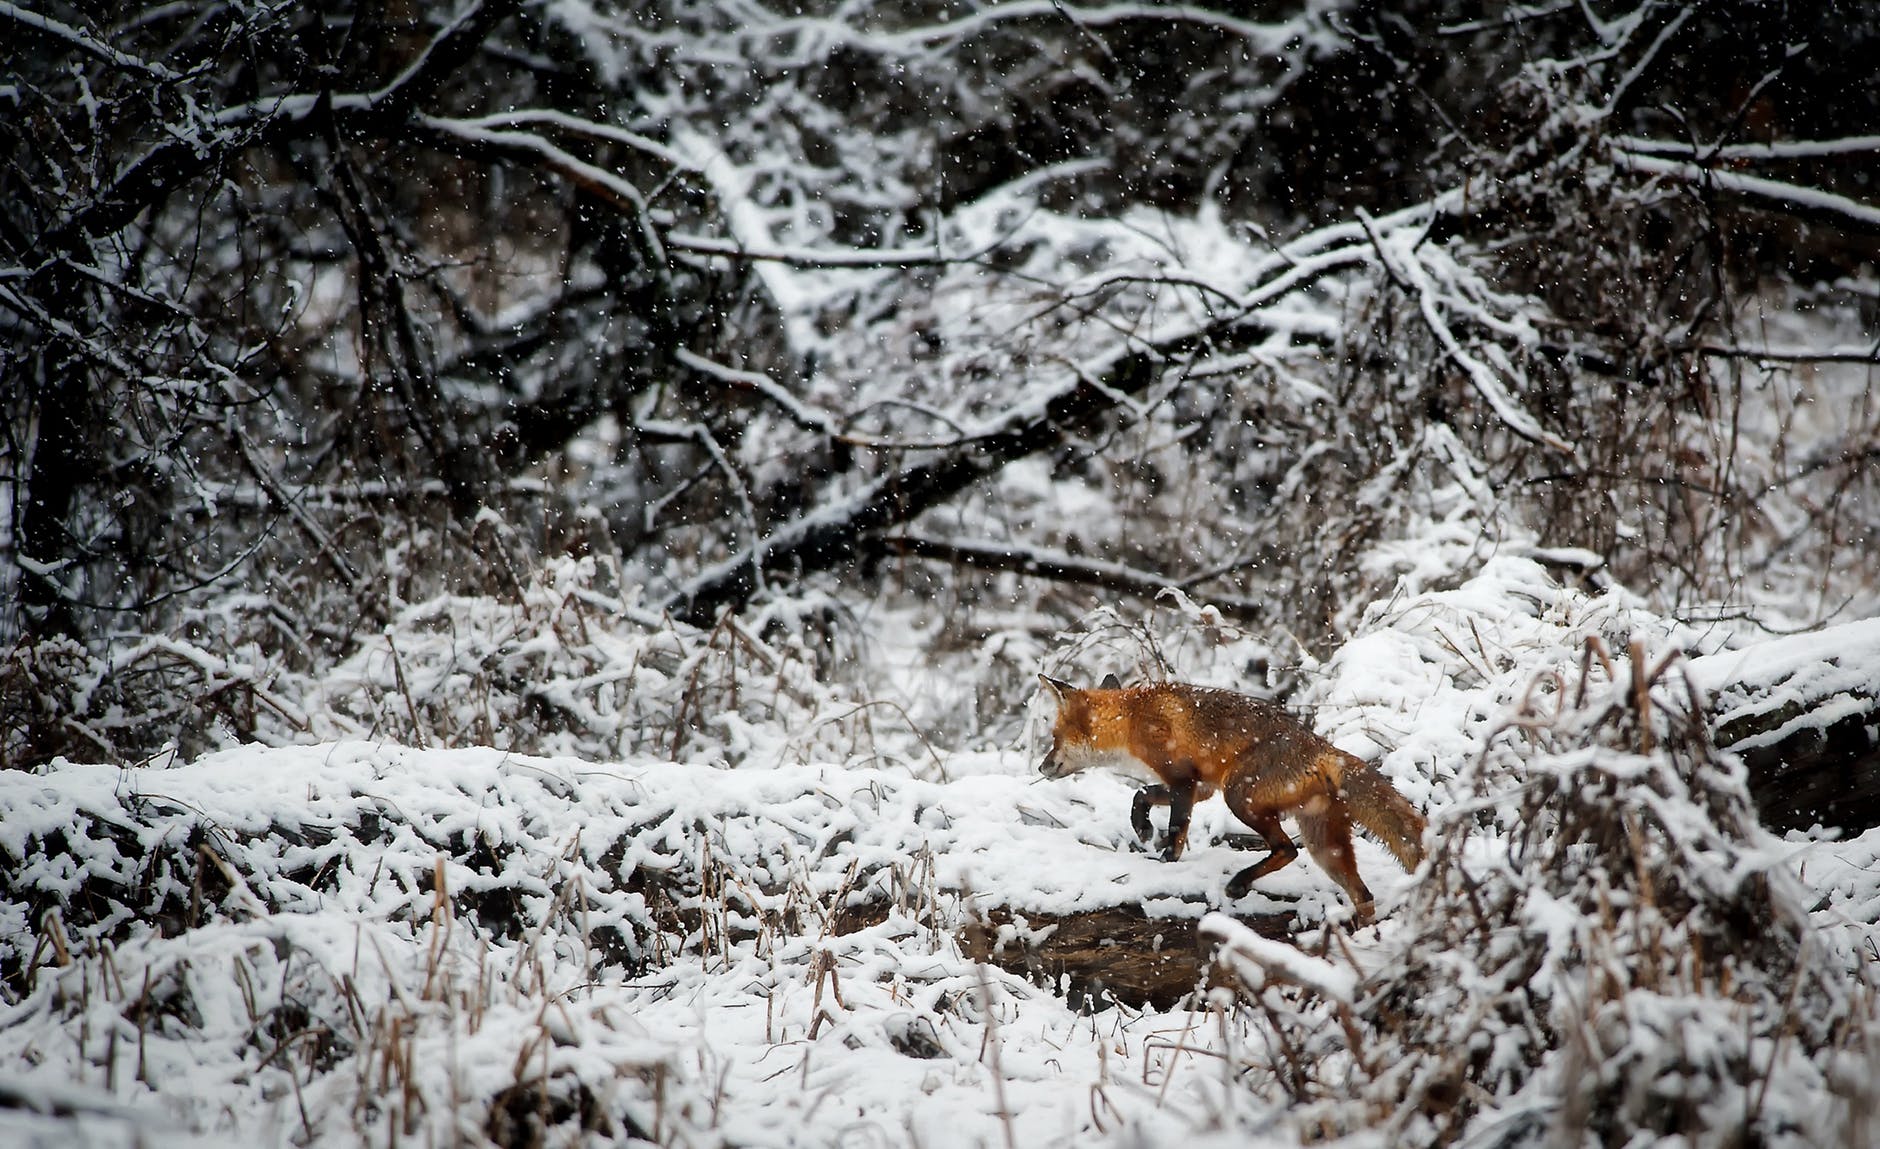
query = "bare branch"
{"x": 290, "y": 505}
{"x": 187, "y": 156}
{"x": 1057, "y": 566}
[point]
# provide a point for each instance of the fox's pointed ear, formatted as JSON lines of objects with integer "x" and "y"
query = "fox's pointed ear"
{"x": 1057, "y": 688}
{"x": 1110, "y": 682}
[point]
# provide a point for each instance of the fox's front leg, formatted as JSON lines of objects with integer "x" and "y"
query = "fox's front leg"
{"x": 1146, "y": 799}
{"x": 1179, "y": 797}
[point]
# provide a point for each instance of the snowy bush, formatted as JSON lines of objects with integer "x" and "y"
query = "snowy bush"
{"x": 1602, "y": 946}
{"x": 528, "y": 532}
{"x": 1639, "y": 955}
{"x": 572, "y": 663}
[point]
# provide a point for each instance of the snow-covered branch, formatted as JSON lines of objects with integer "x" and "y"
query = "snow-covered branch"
{"x": 594, "y": 130}
{"x": 799, "y": 412}
{"x": 1056, "y": 566}
{"x": 1794, "y": 199}
{"x": 607, "y": 185}
{"x": 84, "y": 41}
{"x": 1772, "y": 150}
{"x": 1403, "y": 259}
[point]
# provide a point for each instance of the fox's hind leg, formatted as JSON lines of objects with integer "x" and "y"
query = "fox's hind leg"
{"x": 1280, "y": 852}
{"x": 1328, "y": 837}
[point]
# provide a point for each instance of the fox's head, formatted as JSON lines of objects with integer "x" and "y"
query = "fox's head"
{"x": 1073, "y": 737}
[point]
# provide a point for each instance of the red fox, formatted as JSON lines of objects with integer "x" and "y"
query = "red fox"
{"x": 1189, "y": 741}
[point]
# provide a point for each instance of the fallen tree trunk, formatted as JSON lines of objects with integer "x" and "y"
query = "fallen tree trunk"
{"x": 843, "y": 529}
{"x": 1802, "y": 713}
{"x": 831, "y": 535}
{"x": 1117, "y": 953}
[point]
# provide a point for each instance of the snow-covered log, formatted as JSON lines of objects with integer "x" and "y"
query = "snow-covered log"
{"x": 1801, "y": 711}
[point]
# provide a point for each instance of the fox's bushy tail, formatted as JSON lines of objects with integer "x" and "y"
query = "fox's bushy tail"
{"x": 1377, "y": 806}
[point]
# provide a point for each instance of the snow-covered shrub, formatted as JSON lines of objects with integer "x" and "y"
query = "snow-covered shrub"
{"x": 1603, "y": 944}
{"x": 130, "y": 698}
{"x": 1636, "y": 960}
{"x": 571, "y": 662}
{"x": 562, "y": 659}
{"x": 355, "y": 944}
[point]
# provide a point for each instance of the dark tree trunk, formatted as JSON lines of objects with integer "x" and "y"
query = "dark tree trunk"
{"x": 61, "y": 459}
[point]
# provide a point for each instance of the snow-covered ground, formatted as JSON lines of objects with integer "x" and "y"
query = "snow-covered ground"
{"x": 364, "y": 943}
{"x": 337, "y": 924}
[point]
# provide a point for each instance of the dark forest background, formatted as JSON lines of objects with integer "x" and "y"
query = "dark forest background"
{"x": 784, "y": 321}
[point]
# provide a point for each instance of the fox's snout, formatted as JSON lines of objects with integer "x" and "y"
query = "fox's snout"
{"x": 1052, "y": 766}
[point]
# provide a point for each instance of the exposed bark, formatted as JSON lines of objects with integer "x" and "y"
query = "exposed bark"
{"x": 1813, "y": 758}
{"x": 1802, "y": 713}
{"x": 1117, "y": 953}
{"x": 59, "y": 459}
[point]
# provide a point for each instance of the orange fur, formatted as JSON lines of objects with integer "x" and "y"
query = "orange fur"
{"x": 1188, "y": 742}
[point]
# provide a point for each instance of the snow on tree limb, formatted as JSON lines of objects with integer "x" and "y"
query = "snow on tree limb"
{"x": 1039, "y": 562}
{"x": 577, "y": 126}
{"x": 799, "y": 412}
{"x": 1259, "y": 961}
{"x": 1772, "y": 150}
{"x": 1804, "y": 202}
{"x": 84, "y": 41}
{"x": 1401, "y": 258}
{"x": 188, "y": 153}
{"x": 497, "y": 133}
{"x": 615, "y": 189}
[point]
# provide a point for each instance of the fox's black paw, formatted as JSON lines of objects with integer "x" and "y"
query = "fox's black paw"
{"x": 1241, "y": 884}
